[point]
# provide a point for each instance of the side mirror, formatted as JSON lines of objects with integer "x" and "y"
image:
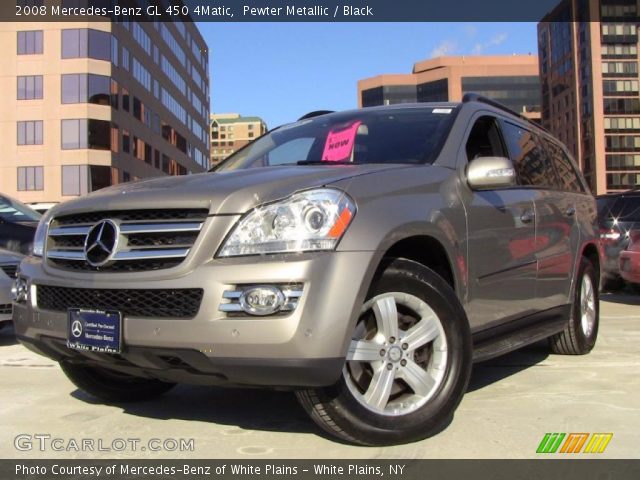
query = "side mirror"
{"x": 488, "y": 173}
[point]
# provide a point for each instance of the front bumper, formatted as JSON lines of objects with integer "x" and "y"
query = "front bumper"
{"x": 305, "y": 347}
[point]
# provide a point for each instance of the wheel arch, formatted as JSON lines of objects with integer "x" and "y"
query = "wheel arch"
{"x": 426, "y": 250}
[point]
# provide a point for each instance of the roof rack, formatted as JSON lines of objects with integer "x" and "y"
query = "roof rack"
{"x": 476, "y": 97}
{"x": 315, "y": 113}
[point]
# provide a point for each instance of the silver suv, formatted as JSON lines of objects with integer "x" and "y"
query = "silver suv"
{"x": 363, "y": 259}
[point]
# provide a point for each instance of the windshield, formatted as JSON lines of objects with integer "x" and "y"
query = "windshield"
{"x": 403, "y": 135}
{"x": 14, "y": 211}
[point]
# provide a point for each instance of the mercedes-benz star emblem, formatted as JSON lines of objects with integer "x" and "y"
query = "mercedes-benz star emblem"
{"x": 76, "y": 328}
{"x": 101, "y": 243}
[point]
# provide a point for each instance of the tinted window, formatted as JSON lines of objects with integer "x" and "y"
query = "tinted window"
{"x": 531, "y": 162}
{"x": 406, "y": 135}
{"x": 569, "y": 180}
{"x": 627, "y": 209}
{"x": 86, "y": 42}
{"x": 30, "y": 42}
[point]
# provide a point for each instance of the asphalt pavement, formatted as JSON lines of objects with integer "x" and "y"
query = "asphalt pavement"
{"x": 511, "y": 403}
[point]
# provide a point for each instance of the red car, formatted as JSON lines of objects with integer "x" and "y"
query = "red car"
{"x": 630, "y": 260}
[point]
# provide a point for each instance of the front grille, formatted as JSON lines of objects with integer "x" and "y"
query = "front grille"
{"x": 157, "y": 303}
{"x": 5, "y": 309}
{"x": 149, "y": 239}
{"x": 10, "y": 270}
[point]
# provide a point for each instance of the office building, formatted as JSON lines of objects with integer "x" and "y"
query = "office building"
{"x": 230, "y": 132}
{"x": 91, "y": 104}
{"x": 588, "y": 53}
{"x": 512, "y": 80}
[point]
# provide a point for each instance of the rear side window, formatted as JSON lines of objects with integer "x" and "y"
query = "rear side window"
{"x": 530, "y": 160}
{"x": 567, "y": 174}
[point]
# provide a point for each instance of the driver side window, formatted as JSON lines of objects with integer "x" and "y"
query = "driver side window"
{"x": 485, "y": 140}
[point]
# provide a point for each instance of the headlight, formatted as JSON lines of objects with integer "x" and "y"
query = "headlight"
{"x": 40, "y": 237}
{"x": 307, "y": 221}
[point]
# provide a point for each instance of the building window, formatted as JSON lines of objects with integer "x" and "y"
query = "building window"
{"x": 86, "y": 133}
{"x": 75, "y": 180}
{"x": 125, "y": 99}
{"x": 30, "y": 178}
{"x": 30, "y": 87}
{"x": 141, "y": 74}
{"x": 86, "y": 43}
{"x": 86, "y": 88}
{"x": 126, "y": 141}
{"x": 141, "y": 37}
{"x": 30, "y": 132}
{"x": 125, "y": 59}
{"x": 30, "y": 42}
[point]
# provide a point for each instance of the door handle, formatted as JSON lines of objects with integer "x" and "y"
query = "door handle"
{"x": 527, "y": 216}
{"x": 570, "y": 212}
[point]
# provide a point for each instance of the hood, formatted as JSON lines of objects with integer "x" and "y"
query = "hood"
{"x": 229, "y": 192}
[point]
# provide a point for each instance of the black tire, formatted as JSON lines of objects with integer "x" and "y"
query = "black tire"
{"x": 112, "y": 386}
{"x": 336, "y": 409}
{"x": 635, "y": 287}
{"x": 573, "y": 340}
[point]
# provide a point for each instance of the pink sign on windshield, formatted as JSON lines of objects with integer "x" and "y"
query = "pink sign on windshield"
{"x": 339, "y": 144}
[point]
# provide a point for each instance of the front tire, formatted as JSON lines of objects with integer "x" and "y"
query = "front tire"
{"x": 112, "y": 386}
{"x": 580, "y": 334}
{"x": 407, "y": 366}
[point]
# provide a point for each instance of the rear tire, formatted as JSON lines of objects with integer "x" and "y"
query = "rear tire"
{"x": 112, "y": 386}
{"x": 581, "y": 331}
{"x": 408, "y": 364}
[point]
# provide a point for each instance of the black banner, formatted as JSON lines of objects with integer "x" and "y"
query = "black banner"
{"x": 543, "y": 469}
{"x": 277, "y": 10}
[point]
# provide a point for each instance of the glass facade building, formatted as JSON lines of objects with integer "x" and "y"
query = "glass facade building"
{"x": 590, "y": 96}
{"x": 108, "y": 102}
{"x": 511, "y": 80}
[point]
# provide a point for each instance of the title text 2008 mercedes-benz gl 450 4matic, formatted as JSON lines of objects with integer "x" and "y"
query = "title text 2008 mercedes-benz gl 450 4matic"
{"x": 362, "y": 259}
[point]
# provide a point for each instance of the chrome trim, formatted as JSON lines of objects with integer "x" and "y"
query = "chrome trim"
{"x": 231, "y": 294}
{"x": 63, "y": 231}
{"x": 146, "y": 254}
{"x": 66, "y": 254}
{"x": 130, "y": 228}
{"x": 234, "y": 305}
{"x": 230, "y": 307}
{"x": 292, "y": 293}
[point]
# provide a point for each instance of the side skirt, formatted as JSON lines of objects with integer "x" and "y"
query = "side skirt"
{"x": 512, "y": 335}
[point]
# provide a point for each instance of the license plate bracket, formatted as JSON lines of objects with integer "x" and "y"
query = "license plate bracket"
{"x": 94, "y": 330}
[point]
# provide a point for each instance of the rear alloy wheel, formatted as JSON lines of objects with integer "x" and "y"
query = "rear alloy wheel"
{"x": 580, "y": 334}
{"x": 407, "y": 365}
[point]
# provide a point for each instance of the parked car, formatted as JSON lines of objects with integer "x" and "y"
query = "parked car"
{"x": 9, "y": 262}
{"x": 618, "y": 214}
{"x": 18, "y": 225}
{"x": 630, "y": 261}
{"x": 364, "y": 259}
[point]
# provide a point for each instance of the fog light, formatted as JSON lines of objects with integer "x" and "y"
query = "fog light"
{"x": 261, "y": 300}
{"x": 19, "y": 290}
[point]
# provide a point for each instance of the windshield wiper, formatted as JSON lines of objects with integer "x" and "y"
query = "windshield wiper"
{"x": 325, "y": 162}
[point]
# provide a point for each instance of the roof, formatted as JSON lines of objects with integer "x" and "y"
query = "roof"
{"x": 226, "y": 121}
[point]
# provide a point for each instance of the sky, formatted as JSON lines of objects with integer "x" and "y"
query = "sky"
{"x": 280, "y": 71}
